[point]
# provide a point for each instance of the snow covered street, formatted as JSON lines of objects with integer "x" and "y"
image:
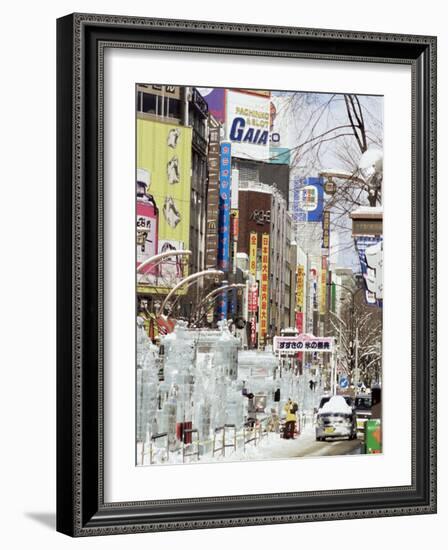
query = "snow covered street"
{"x": 268, "y": 447}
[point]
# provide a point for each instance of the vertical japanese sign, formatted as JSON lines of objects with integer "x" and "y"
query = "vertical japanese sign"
{"x": 264, "y": 287}
{"x": 253, "y": 332}
{"x": 323, "y": 286}
{"x": 224, "y": 220}
{"x": 299, "y": 327}
{"x": 234, "y": 230}
{"x": 253, "y": 243}
{"x": 326, "y": 231}
{"x": 253, "y": 298}
{"x": 224, "y": 207}
{"x": 299, "y": 321}
{"x": 212, "y": 199}
{"x": 300, "y": 284}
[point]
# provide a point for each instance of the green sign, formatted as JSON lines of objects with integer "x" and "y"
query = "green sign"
{"x": 372, "y": 437}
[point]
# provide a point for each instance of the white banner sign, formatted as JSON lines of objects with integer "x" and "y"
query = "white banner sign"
{"x": 293, "y": 344}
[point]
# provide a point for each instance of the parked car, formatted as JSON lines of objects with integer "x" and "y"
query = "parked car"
{"x": 335, "y": 418}
{"x": 363, "y": 409}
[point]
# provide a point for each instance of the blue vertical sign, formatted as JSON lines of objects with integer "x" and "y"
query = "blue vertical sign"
{"x": 308, "y": 199}
{"x": 225, "y": 170}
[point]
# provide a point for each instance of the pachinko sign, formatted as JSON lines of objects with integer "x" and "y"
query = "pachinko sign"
{"x": 247, "y": 124}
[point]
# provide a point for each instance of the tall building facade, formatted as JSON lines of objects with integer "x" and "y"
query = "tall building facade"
{"x": 265, "y": 236}
{"x": 172, "y": 150}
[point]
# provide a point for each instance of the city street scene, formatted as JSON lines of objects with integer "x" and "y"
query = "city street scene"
{"x": 259, "y": 274}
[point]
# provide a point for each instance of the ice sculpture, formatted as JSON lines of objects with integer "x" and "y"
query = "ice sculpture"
{"x": 147, "y": 383}
{"x": 177, "y": 413}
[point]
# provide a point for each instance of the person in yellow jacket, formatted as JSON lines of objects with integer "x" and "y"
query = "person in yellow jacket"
{"x": 290, "y": 425}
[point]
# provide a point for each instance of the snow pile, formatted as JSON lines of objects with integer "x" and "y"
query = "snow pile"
{"x": 336, "y": 404}
{"x": 365, "y": 210}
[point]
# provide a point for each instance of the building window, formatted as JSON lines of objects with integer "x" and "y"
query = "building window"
{"x": 150, "y": 104}
{"x": 172, "y": 109}
{"x": 248, "y": 172}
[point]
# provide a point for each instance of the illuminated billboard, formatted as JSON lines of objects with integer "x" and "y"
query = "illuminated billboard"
{"x": 164, "y": 156}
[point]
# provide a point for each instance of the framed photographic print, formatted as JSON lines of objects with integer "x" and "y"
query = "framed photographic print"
{"x": 246, "y": 275}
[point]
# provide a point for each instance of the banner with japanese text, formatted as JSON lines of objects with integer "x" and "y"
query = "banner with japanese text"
{"x": 300, "y": 287}
{"x": 264, "y": 286}
{"x": 253, "y": 243}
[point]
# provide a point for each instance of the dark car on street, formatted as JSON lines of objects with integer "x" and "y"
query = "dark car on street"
{"x": 363, "y": 409}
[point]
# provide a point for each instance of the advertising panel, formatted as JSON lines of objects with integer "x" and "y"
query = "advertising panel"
{"x": 323, "y": 286}
{"x": 224, "y": 206}
{"x": 247, "y": 125}
{"x": 224, "y": 220}
{"x": 253, "y": 332}
{"x": 147, "y": 217}
{"x": 299, "y": 327}
{"x": 211, "y": 239}
{"x": 299, "y": 321}
{"x": 264, "y": 287}
{"x": 234, "y": 230}
{"x": 308, "y": 199}
{"x": 216, "y": 101}
{"x": 369, "y": 273}
{"x": 326, "y": 231}
{"x": 253, "y": 243}
{"x": 164, "y": 153}
{"x": 253, "y": 298}
{"x": 300, "y": 285}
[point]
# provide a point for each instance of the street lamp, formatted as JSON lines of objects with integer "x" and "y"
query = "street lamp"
{"x": 188, "y": 281}
{"x": 213, "y": 294}
{"x": 155, "y": 260}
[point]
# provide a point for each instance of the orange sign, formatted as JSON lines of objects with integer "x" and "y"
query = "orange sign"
{"x": 300, "y": 287}
{"x": 253, "y": 242}
{"x": 323, "y": 286}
